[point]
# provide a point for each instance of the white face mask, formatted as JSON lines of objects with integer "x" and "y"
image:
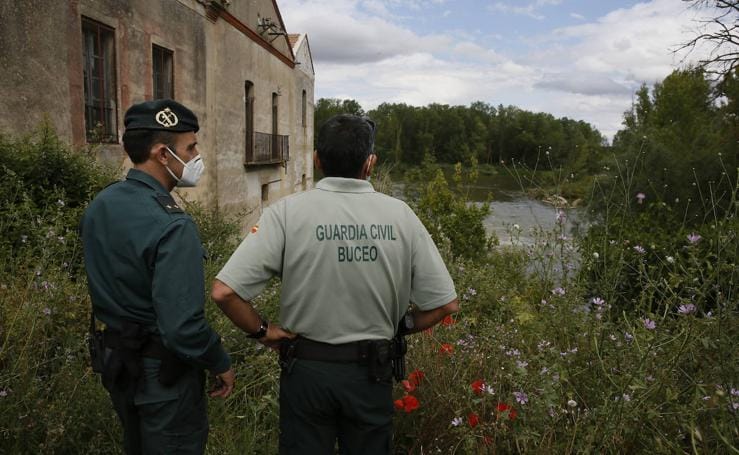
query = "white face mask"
{"x": 191, "y": 171}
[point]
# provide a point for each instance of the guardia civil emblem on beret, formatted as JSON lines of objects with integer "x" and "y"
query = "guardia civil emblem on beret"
{"x": 167, "y": 118}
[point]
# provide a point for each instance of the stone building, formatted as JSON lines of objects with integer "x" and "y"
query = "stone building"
{"x": 82, "y": 63}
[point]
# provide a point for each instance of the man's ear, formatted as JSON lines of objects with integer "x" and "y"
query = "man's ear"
{"x": 159, "y": 153}
{"x": 316, "y": 160}
{"x": 370, "y": 163}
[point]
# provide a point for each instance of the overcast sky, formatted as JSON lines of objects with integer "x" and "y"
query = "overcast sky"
{"x": 582, "y": 59}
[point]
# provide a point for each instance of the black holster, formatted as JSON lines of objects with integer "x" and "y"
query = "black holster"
{"x": 399, "y": 347}
{"x": 96, "y": 347}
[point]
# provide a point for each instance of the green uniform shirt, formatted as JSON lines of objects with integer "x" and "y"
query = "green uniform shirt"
{"x": 144, "y": 263}
{"x": 350, "y": 259}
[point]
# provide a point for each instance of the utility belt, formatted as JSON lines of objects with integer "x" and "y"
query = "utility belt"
{"x": 127, "y": 348}
{"x": 382, "y": 357}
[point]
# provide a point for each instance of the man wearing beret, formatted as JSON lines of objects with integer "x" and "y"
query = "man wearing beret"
{"x": 144, "y": 263}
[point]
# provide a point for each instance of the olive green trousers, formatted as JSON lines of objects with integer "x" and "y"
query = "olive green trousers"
{"x": 322, "y": 403}
{"x": 158, "y": 419}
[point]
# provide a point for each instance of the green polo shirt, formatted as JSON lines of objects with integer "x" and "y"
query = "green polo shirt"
{"x": 351, "y": 259}
{"x": 144, "y": 263}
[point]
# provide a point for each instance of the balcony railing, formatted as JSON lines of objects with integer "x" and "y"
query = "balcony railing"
{"x": 267, "y": 149}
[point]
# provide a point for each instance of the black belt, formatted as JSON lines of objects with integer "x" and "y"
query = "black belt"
{"x": 152, "y": 348}
{"x": 356, "y": 351}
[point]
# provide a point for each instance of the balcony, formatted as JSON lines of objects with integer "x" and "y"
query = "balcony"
{"x": 267, "y": 149}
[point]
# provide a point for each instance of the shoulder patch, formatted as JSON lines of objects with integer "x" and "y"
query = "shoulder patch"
{"x": 168, "y": 203}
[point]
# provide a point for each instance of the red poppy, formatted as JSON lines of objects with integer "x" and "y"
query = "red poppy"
{"x": 487, "y": 440}
{"x": 448, "y": 320}
{"x": 398, "y": 404}
{"x": 478, "y": 386}
{"x": 410, "y": 403}
{"x": 429, "y": 331}
{"x": 473, "y": 419}
{"x": 416, "y": 377}
{"x": 446, "y": 348}
{"x": 512, "y": 413}
{"x": 408, "y": 386}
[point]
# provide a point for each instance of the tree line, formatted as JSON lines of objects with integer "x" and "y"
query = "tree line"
{"x": 489, "y": 134}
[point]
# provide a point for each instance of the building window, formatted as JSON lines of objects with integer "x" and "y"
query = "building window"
{"x": 101, "y": 107}
{"x": 304, "y": 109}
{"x": 162, "y": 72}
{"x": 249, "y": 116}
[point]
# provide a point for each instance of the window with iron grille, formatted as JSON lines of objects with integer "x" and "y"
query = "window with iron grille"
{"x": 99, "y": 69}
{"x": 162, "y": 72}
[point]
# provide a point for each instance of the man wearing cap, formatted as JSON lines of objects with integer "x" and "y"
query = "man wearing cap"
{"x": 351, "y": 260}
{"x": 144, "y": 263}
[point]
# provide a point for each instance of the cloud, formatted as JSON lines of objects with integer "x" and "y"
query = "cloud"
{"x": 530, "y": 9}
{"x": 366, "y": 50}
{"x": 577, "y": 16}
{"x": 584, "y": 84}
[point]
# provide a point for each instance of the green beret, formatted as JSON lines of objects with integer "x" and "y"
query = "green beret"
{"x": 162, "y": 115}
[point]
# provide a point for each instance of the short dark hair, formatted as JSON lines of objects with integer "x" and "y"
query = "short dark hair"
{"x": 344, "y": 143}
{"x": 138, "y": 143}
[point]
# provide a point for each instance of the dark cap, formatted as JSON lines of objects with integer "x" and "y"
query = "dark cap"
{"x": 162, "y": 115}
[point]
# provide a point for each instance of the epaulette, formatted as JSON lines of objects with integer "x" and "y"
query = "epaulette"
{"x": 168, "y": 203}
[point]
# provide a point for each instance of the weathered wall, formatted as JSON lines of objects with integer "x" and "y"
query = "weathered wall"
{"x": 33, "y": 56}
{"x": 41, "y": 45}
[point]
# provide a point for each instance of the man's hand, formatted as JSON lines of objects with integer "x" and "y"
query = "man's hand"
{"x": 275, "y": 334}
{"x": 224, "y": 384}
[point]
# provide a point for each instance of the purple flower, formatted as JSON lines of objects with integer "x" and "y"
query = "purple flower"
{"x": 686, "y": 309}
{"x": 639, "y": 249}
{"x": 561, "y": 216}
{"x": 649, "y": 324}
{"x": 521, "y": 397}
{"x": 3, "y": 393}
{"x": 598, "y": 301}
{"x": 628, "y": 336}
{"x": 558, "y": 291}
{"x": 694, "y": 238}
{"x": 626, "y": 397}
{"x": 640, "y": 197}
{"x": 46, "y": 311}
{"x": 521, "y": 364}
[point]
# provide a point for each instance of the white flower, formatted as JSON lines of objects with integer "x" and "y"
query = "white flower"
{"x": 596, "y": 255}
{"x": 670, "y": 259}
{"x": 457, "y": 421}
{"x": 572, "y": 403}
{"x": 517, "y": 227}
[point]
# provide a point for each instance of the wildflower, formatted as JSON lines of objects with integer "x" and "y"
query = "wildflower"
{"x": 3, "y": 393}
{"x": 408, "y": 403}
{"x": 521, "y": 397}
{"x": 543, "y": 344}
{"x": 639, "y": 249}
{"x": 734, "y": 392}
{"x": 502, "y": 407}
{"x": 448, "y": 320}
{"x": 649, "y": 378}
{"x": 628, "y": 336}
{"x": 478, "y": 385}
{"x": 640, "y": 197}
{"x": 598, "y": 301}
{"x": 521, "y": 364}
{"x": 24, "y": 238}
{"x": 596, "y": 255}
{"x": 558, "y": 291}
{"x": 516, "y": 227}
{"x": 544, "y": 371}
{"x": 612, "y": 337}
{"x": 416, "y": 377}
{"x": 561, "y": 217}
{"x": 670, "y": 259}
{"x": 626, "y": 397}
{"x": 471, "y": 291}
{"x": 686, "y": 309}
{"x": 694, "y": 238}
{"x": 572, "y": 403}
{"x": 60, "y": 203}
{"x": 473, "y": 419}
{"x": 489, "y": 390}
{"x": 407, "y": 385}
{"x": 457, "y": 421}
{"x": 46, "y": 311}
{"x": 649, "y": 324}
{"x": 446, "y": 348}
{"x": 513, "y": 353}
